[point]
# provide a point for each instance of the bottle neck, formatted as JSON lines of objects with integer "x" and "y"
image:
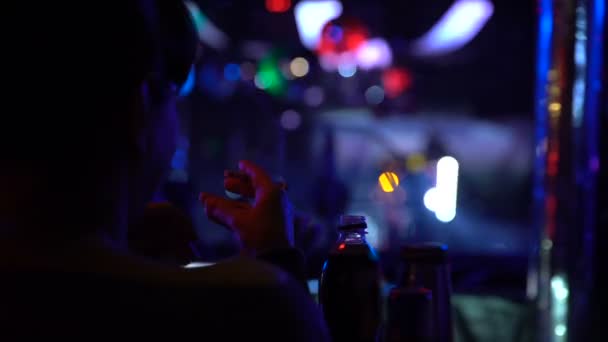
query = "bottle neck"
{"x": 352, "y": 236}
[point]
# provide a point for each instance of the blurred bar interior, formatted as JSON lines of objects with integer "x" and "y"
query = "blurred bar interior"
{"x": 475, "y": 123}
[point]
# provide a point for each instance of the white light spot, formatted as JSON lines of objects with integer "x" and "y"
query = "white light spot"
{"x": 311, "y": 17}
{"x": 560, "y": 289}
{"x": 347, "y": 70}
{"x": 198, "y": 264}
{"x": 374, "y": 53}
{"x": 458, "y": 26}
{"x": 442, "y": 199}
{"x": 429, "y": 199}
{"x": 299, "y": 67}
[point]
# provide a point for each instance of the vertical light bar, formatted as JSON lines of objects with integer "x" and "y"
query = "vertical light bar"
{"x": 447, "y": 188}
{"x": 559, "y": 307}
{"x": 580, "y": 65}
{"x": 538, "y": 272}
{"x": 441, "y": 199}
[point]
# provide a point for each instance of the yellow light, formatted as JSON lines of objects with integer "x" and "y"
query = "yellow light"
{"x": 553, "y": 75}
{"x": 299, "y": 67}
{"x": 416, "y": 162}
{"x": 555, "y": 106}
{"x": 388, "y": 181}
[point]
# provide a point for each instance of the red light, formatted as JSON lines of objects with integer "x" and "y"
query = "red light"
{"x": 341, "y": 246}
{"x": 552, "y": 163}
{"x": 342, "y": 36}
{"x": 396, "y": 81}
{"x": 278, "y": 6}
{"x": 354, "y": 40}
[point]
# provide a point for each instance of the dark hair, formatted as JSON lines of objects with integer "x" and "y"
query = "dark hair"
{"x": 70, "y": 70}
{"x": 70, "y": 66}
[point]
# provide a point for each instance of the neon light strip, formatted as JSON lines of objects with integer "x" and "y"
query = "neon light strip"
{"x": 458, "y": 26}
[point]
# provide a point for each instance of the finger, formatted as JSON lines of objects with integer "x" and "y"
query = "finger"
{"x": 240, "y": 183}
{"x": 259, "y": 177}
{"x": 240, "y": 187}
{"x": 236, "y": 174}
{"x": 223, "y": 211}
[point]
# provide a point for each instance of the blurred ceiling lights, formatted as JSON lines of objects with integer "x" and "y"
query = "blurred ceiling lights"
{"x": 374, "y": 53}
{"x": 278, "y": 6}
{"x": 207, "y": 31}
{"x": 458, "y": 26}
{"x": 311, "y": 17}
{"x": 299, "y": 67}
{"x": 396, "y": 80}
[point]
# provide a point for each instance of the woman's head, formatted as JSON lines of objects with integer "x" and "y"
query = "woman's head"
{"x": 92, "y": 122}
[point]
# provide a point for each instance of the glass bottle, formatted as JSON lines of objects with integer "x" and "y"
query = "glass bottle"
{"x": 349, "y": 291}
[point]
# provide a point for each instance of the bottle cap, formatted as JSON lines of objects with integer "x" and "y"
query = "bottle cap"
{"x": 352, "y": 222}
{"x": 432, "y": 253}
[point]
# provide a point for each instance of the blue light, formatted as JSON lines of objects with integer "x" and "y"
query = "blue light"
{"x": 580, "y": 66}
{"x": 595, "y": 49}
{"x": 209, "y": 77}
{"x": 179, "y": 160}
{"x": 347, "y": 70}
{"x": 232, "y": 72}
{"x": 336, "y": 33}
{"x": 189, "y": 83}
{"x": 543, "y": 65}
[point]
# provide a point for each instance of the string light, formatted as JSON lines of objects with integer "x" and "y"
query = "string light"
{"x": 395, "y": 81}
{"x": 555, "y": 106}
{"x": 232, "y": 72}
{"x": 388, "y": 181}
{"x": 347, "y": 70}
{"x": 299, "y": 67}
{"x": 278, "y": 6}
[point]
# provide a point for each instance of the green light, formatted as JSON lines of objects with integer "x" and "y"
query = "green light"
{"x": 200, "y": 20}
{"x": 269, "y": 76}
